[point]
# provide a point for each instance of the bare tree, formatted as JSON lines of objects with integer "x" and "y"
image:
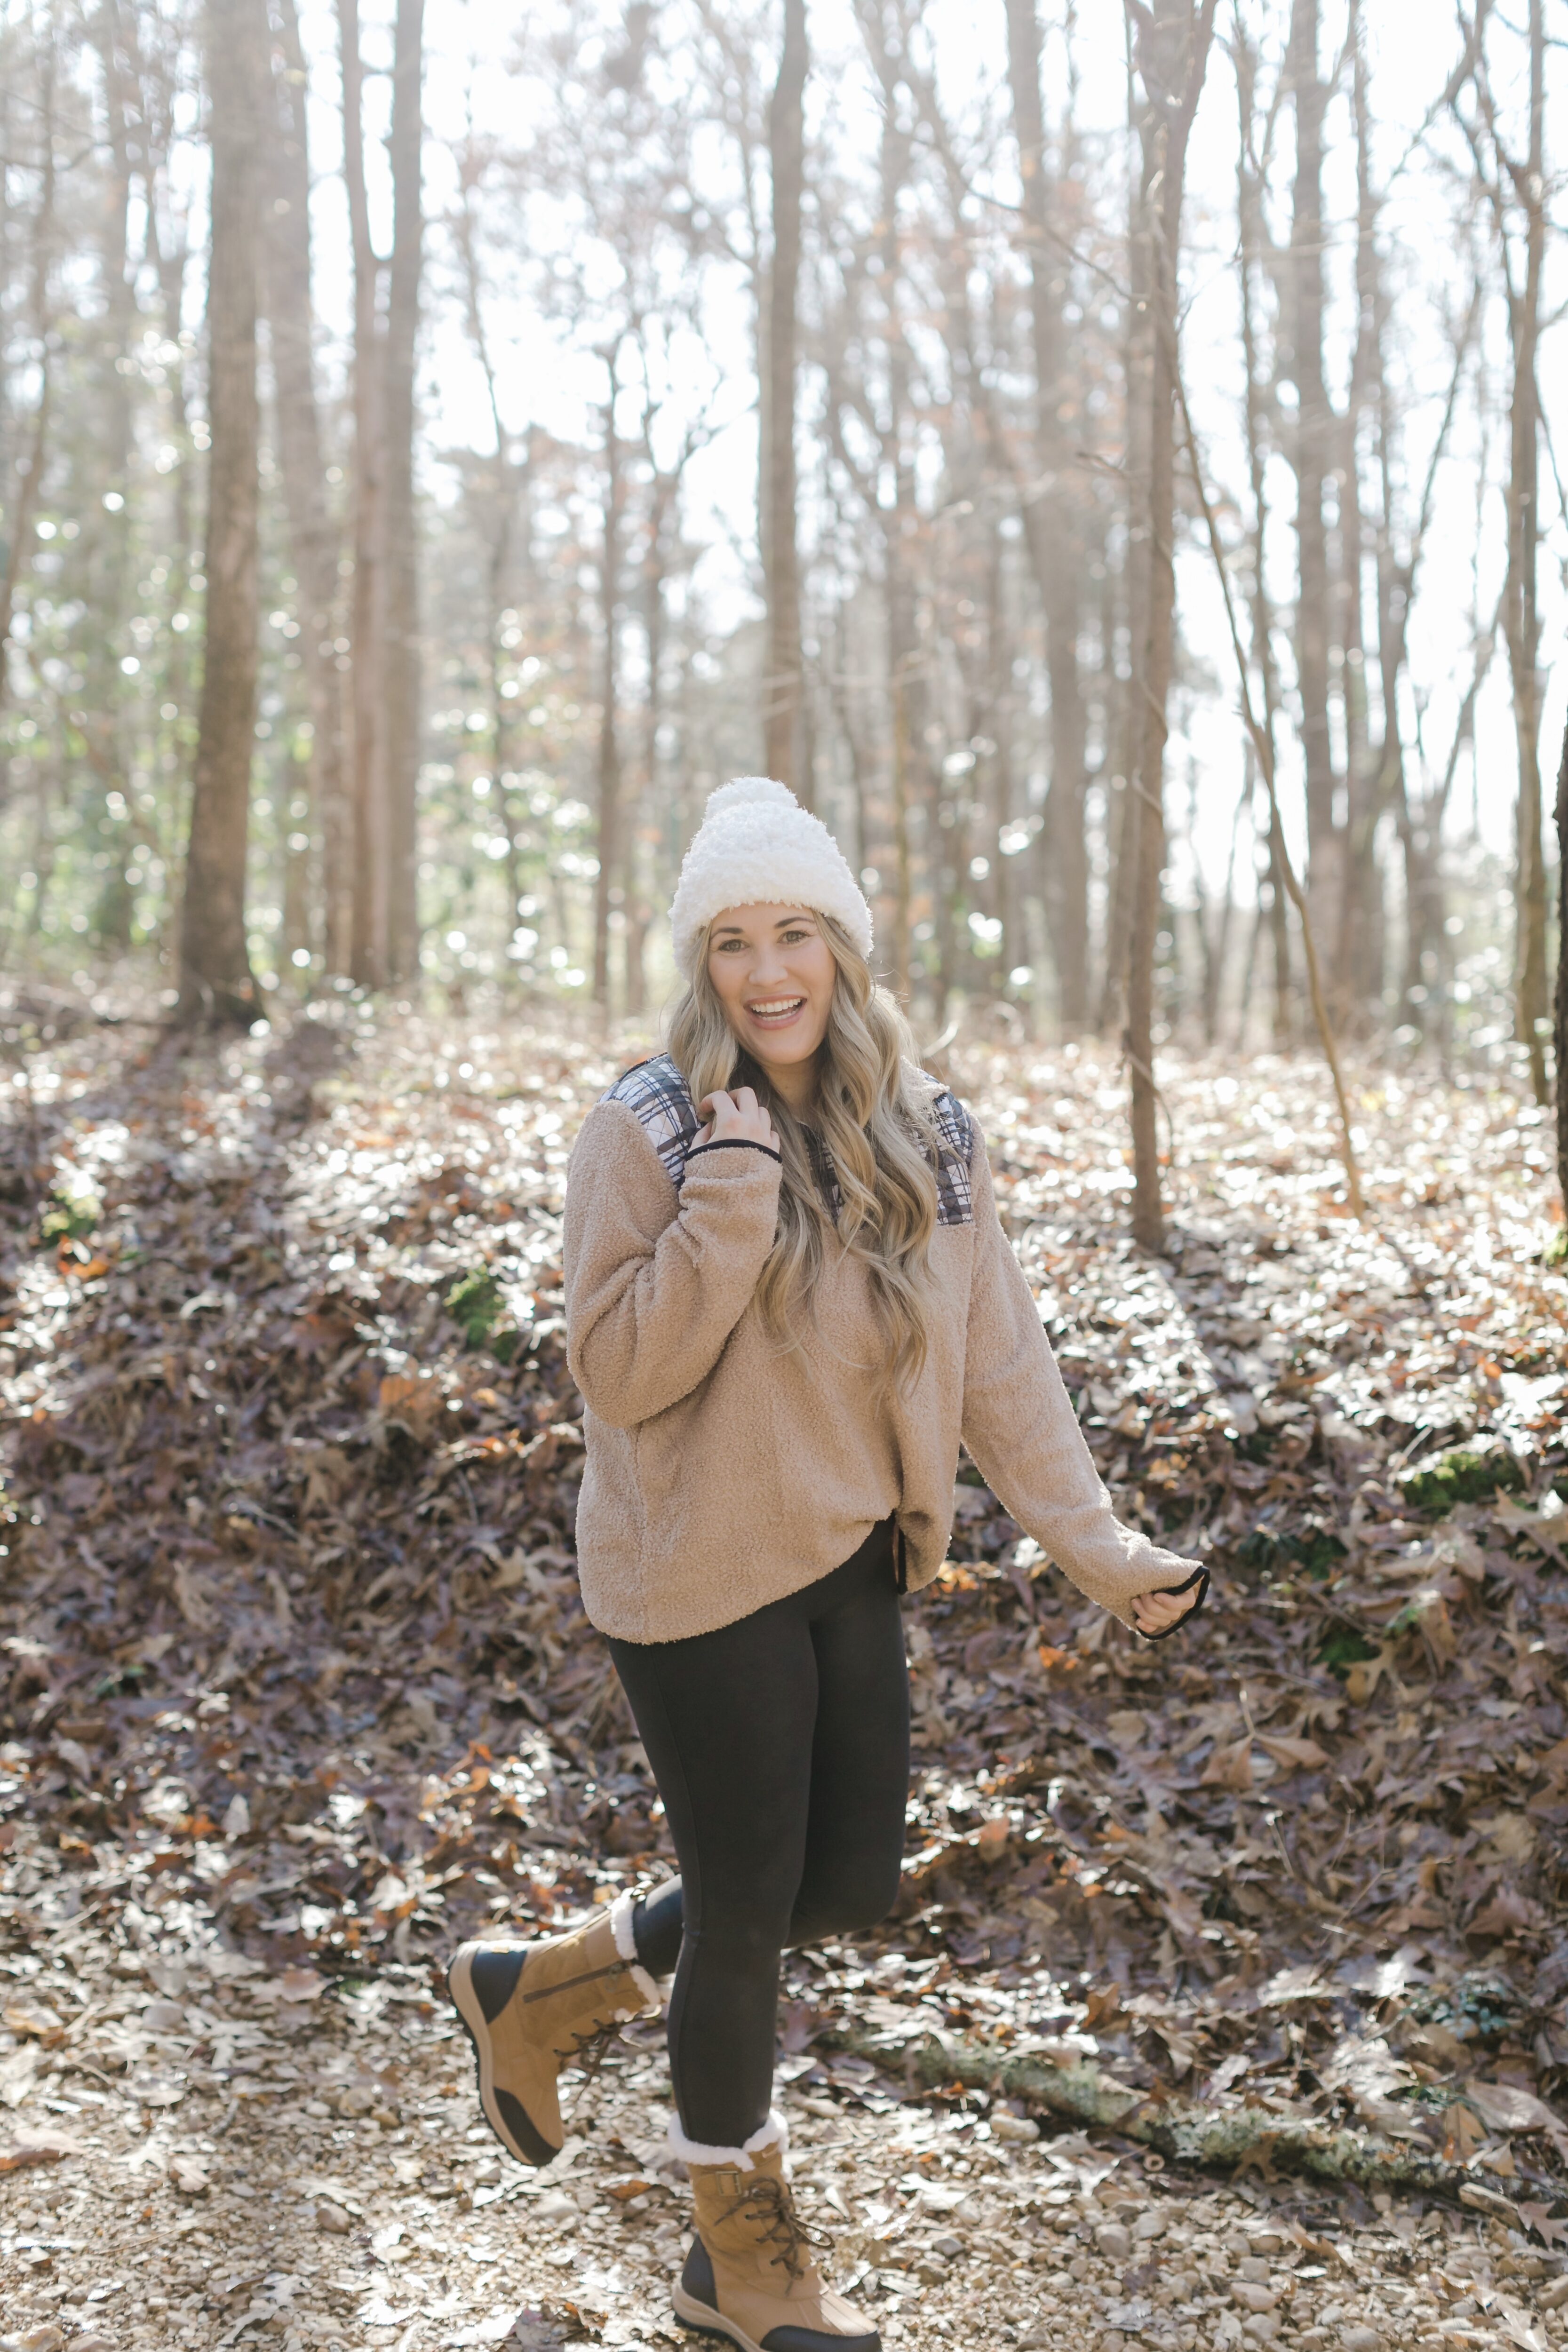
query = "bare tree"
{"x": 401, "y": 662}
{"x": 880, "y": 414}
{"x": 29, "y": 464}
{"x": 215, "y": 981}
{"x": 1420, "y": 814}
{"x": 371, "y": 912}
{"x": 1513, "y": 183}
{"x": 312, "y": 531}
{"x": 1052, "y": 532}
{"x": 607, "y": 884}
{"x": 1252, "y": 160}
{"x": 1359, "y": 951}
{"x": 503, "y": 505}
{"x": 784, "y": 703}
{"x": 1560, "y": 1001}
{"x": 1311, "y": 447}
{"x": 1172, "y": 43}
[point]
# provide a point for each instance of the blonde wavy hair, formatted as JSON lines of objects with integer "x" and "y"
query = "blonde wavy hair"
{"x": 873, "y": 1114}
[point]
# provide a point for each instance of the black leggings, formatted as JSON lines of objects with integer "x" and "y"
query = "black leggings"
{"x": 781, "y": 1748}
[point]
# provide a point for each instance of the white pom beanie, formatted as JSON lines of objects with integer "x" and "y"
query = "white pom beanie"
{"x": 757, "y": 847}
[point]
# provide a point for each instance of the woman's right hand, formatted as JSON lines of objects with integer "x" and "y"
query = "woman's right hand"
{"x": 737, "y": 1117}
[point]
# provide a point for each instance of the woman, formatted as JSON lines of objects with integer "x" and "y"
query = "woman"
{"x": 788, "y": 1295}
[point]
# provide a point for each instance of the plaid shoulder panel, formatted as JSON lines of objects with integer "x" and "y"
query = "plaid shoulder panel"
{"x": 955, "y": 1131}
{"x": 955, "y": 1143}
{"x": 825, "y": 1172}
{"x": 656, "y": 1094}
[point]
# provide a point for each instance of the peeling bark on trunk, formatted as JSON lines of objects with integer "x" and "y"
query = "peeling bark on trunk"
{"x": 215, "y": 982}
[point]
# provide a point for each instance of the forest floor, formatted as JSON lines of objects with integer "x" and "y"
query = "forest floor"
{"x": 295, "y": 1690}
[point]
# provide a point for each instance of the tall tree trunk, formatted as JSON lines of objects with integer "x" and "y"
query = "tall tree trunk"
{"x": 998, "y": 725}
{"x": 903, "y": 888}
{"x": 369, "y": 911}
{"x": 605, "y": 892}
{"x": 1051, "y": 528}
{"x": 1521, "y": 617}
{"x": 401, "y": 652}
{"x": 215, "y": 982}
{"x": 1249, "y": 208}
{"x": 906, "y": 685}
{"x": 170, "y": 256}
{"x": 1125, "y": 715}
{"x": 1312, "y": 454}
{"x": 1173, "y": 39}
{"x": 1358, "y": 949}
{"x": 663, "y": 510}
{"x": 1559, "y": 1004}
{"x": 313, "y": 533}
{"x": 509, "y": 485}
{"x": 783, "y": 697}
{"x": 23, "y": 505}
{"x": 108, "y": 711}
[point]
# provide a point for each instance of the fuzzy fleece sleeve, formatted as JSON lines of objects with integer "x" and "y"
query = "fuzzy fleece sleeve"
{"x": 1019, "y": 1425}
{"x": 651, "y": 1298}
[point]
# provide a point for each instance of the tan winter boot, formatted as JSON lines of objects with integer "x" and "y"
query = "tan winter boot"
{"x": 532, "y": 2008}
{"x": 749, "y": 2275}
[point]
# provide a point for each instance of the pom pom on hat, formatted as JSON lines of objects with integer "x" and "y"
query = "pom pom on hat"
{"x": 757, "y": 847}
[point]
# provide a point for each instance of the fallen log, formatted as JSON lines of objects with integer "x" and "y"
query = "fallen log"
{"x": 1178, "y": 2130}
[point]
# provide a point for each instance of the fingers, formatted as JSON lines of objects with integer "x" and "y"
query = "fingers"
{"x": 1158, "y": 1611}
{"x": 726, "y": 1119}
{"x": 737, "y": 1116}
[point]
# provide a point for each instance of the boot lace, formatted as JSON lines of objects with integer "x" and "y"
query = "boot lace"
{"x": 767, "y": 2203}
{"x": 587, "y": 2047}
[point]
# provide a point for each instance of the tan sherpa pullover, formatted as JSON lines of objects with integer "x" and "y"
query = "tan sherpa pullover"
{"x": 724, "y": 1471}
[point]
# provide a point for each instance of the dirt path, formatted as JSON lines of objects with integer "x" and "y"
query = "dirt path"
{"x": 303, "y": 2166}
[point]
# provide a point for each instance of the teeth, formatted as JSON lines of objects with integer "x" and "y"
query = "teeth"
{"x": 784, "y": 1004}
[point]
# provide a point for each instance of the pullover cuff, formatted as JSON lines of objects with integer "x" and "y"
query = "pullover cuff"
{"x": 1200, "y": 1576}
{"x": 733, "y": 1143}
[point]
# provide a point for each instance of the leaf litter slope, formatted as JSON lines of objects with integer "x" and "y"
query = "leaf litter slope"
{"x": 298, "y": 1692}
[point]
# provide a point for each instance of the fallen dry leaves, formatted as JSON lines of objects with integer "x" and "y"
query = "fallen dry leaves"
{"x": 297, "y": 1690}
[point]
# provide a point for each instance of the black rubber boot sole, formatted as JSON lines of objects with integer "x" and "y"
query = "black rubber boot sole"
{"x": 691, "y": 2297}
{"x": 505, "y": 2114}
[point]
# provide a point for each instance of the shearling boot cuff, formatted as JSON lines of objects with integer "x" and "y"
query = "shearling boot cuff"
{"x": 775, "y": 2133}
{"x": 621, "y": 1911}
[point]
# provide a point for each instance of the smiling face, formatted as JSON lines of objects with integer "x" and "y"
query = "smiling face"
{"x": 774, "y": 974}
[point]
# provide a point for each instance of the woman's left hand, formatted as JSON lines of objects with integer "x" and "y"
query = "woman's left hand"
{"x": 1156, "y": 1613}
